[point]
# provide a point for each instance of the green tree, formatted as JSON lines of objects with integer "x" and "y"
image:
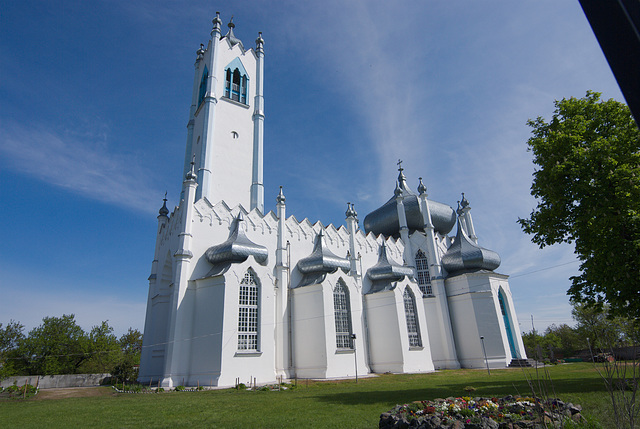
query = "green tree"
{"x": 570, "y": 341}
{"x": 127, "y": 366}
{"x": 103, "y": 349}
{"x": 11, "y": 337}
{"x": 587, "y": 184}
{"x": 57, "y": 346}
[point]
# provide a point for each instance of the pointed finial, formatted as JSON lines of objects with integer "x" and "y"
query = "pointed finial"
{"x": 401, "y": 178}
{"x": 464, "y": 203}
{"x": 421, "y": 188}
{"x": 398, "y": 191}
{"x": 459, "y": 210}
{"x": 164, "y": 211}
{"x": 231, "y": 24}
{"x": 280, "y": 199}
{"x": 350, "y": 212}
{"x": 217, "y": 21}
{"x": 200, "y": 52}
{"x": 353, "y": 210}
{"x": 259, "y": 41}
{"x": 191, "y": 175}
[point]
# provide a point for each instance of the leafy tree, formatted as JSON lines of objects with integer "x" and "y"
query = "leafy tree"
{"x": 131, "y": 342}
{"x": 103, "y": 349}
{"x": 588, "y": 188}
{"x": 11, "y": 336}
{"x": 570, "y": 341}
{"x": 57, "y": 346}
{"x": 131, "y": 345}
{"x": 596, "y": 324}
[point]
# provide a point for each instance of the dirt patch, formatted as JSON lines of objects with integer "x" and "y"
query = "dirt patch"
{"x": 74, "y": 392}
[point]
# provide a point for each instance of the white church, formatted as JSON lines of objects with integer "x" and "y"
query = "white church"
{"x": 239, "y": 294}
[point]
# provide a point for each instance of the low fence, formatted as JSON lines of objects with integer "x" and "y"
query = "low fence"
{"x": 53, "y": 381}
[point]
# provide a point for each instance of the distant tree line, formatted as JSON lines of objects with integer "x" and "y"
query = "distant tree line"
{"x": 60, "y": 346}
{"x": 595, "y": 329}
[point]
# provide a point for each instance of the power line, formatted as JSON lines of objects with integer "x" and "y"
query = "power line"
{"x": 544, "y": 269}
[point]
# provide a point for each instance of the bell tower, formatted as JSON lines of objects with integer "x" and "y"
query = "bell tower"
{"x": 226, "y": 120}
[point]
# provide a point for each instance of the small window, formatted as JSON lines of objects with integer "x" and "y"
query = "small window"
{"x": 234, "y": 135}
{"x": 422, "y": 271}
{"x": 412, "y": 319}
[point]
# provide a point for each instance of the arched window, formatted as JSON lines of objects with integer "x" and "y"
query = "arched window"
{"x": 203, "y": 86}
{"x": 248, "y": 315}
{"x": 424, "y": 277}
{"x": 342, "y": 312}
{"x": 412, "y": 319}
{"x": 236, "y": 86}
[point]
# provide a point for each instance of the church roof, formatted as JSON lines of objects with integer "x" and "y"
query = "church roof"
{"x": 237, "y": 248}
{"x": 466, "y": 256}
{"x": 385, "y": 272}
{"x": 321, "y": 262}
{"x": 384, "y": 220}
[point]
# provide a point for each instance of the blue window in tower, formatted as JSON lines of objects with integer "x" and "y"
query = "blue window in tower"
{"x": 236, "y": 82}
{"x": 203, "y": 86}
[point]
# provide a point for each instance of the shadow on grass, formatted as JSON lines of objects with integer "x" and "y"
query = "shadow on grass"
{"x": 483, "y": 388}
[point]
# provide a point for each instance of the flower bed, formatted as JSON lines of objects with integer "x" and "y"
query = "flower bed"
{"x": 466, "y": 412}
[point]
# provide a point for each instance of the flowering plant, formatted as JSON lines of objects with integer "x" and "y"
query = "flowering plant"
{"x": 519, "y": 411}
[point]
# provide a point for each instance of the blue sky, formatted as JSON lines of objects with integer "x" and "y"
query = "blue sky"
{"x": 94, "y": 101}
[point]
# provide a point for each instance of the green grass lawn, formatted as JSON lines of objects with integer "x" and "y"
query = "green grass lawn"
{"x": 339, "y": 404}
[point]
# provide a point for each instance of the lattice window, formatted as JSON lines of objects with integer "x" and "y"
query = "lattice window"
{"x": 248, "y": 313}
{"x": 412, "y": 319}
{"x": 422, "y": 270}
{"x": 342, "y": 312}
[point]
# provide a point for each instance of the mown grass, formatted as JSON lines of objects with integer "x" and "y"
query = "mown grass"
{"x": 331, "y": 404}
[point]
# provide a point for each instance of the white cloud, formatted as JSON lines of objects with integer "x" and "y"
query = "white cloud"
{"x": 80, "y": 163}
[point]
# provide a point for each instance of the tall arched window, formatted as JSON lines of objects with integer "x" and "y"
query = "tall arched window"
{"x": 202, "y": 91}
{"x": 342, "y": 312}
{"x": 248, "y": 316}
{"x": 422, "y": 270}
{"x": 412, "y": 319}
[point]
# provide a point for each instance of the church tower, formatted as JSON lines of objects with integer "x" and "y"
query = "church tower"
{"x": 226, "y": 120}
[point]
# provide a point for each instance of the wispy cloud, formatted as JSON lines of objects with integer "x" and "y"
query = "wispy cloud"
{"x": 80, "y": 163}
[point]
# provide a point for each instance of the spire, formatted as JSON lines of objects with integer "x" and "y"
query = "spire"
{"x": 464, "y": 203}
{"x": 217, "y": 22}
{"x": 421, "y": 188}
{"x": 280, "y": 199}
{"x": 259, "y": 43}
{"x": 398, "y": 191}
{"x": 232, "y": 37}
{"x": 191, "y": 175}
{"x": 200, "y": 52}
{"x": 164, "y": 211}
{"x": 351, "y": 212}
{"x": 401, "y": 177}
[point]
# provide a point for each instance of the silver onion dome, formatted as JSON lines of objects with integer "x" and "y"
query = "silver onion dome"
{"x": 236, "y": 249}
{"x": 466, "y": 256}
{"x": 385, "y": 272}
{"x": 321, "y": 262}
